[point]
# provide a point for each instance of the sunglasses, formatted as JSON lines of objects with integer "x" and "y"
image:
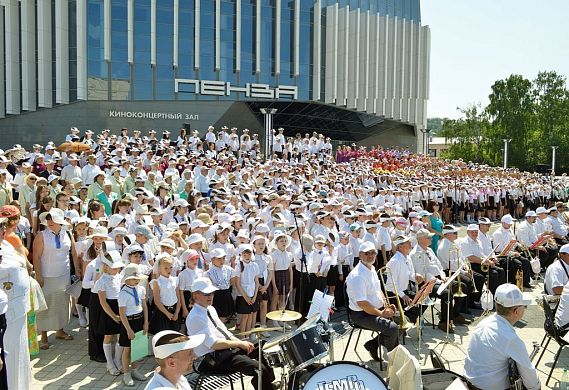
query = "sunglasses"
{"x": 32, "y": 179}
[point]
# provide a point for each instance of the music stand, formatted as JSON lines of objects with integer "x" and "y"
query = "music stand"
{"x": 447, "y": 340}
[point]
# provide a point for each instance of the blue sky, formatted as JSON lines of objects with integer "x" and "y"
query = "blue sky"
{"x": 476, "y": 42}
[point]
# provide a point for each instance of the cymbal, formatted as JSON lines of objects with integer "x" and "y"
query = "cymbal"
{"x": 284, "y": 315}
{"x": 258, "y": 330}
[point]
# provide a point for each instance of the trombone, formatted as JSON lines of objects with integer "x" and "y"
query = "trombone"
{"x": 404, "y": 324}
{"x": 456, "y": 256}
{"x": 468, "y": 269}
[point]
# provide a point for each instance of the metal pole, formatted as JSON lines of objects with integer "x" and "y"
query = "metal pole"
{"x": 554, "y": 148}
{"x": 268, "y": 113}
{"x": 506, "y": 142}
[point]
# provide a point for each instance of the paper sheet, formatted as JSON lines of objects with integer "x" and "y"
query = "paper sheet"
{"x": 566, "y": 337}
{"x": 139, "y": 346}
{"x": 321, "y": 304}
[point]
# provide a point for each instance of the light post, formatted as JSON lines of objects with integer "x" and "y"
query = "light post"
{"x": 268, "y": 113}
{"x": 553, "y": 149}
{"x": 506, "y": 142}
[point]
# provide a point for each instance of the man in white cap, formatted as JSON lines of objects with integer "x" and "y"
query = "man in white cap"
{"x": 557, "y": 274}
{"x": 402, "y": 276}
{"x": 527, "y": 236}
{"x": 368, "y": 305}
{"x": 430, "y": 268}
{"x": 175, "y": 355}
{"x": 502, "y": 238}
{"x": 221, "y": 352}
{"x": 495, "y": 342}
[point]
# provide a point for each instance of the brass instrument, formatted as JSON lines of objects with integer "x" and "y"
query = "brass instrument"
{"x": 520, "y": 279}
{"x": 484, "y": 267}
{"x": 455, "y": 251}
{"x": 468, "y": 269}
{"x": 404, "y": 324}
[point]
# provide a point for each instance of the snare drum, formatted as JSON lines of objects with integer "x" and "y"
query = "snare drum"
{"x": 303, "y": 348}
{"x": 339, "y": 375}
{"x": 274, "y": 356}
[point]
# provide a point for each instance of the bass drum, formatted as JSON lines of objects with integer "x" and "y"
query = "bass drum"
{"x": 337, "y": 375}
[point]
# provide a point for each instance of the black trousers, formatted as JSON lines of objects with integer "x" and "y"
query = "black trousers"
{"x": 246, "y": 364}
{"x": 496, "y": 277}
{"x": 547, "y": 257}
{"x": 389, "y": 330}
{"x": 516, "y": 263}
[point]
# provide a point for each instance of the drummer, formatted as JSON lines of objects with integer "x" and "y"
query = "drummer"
{"x": 366, "y": 300}
{"x": 221, "y": 352}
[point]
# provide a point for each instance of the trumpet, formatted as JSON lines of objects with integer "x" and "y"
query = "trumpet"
{"x": 404, "y": 324}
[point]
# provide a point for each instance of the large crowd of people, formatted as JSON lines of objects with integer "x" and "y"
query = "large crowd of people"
{"x": 202, "y": 231}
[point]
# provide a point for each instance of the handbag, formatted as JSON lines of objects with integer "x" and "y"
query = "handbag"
{"x": 38, "y": 297}
{"x": 74, "y": 290}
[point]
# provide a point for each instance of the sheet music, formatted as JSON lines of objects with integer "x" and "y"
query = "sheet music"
{"x": 321, "y": 305}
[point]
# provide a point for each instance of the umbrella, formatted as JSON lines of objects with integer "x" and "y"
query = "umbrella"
{"x": 75, "y": 147}
{"x": 15, "y": 153}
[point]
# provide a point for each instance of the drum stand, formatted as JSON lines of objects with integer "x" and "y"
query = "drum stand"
{"x": 260, "y": 369}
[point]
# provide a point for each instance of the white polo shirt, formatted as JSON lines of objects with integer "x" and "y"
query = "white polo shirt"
{"x": 556, "y": 275}
{"x": 159, "y": 382}
{"x": 493, "y": 342}
{"x": 562, "y": 313}
{"x": 363, "y": 285}
{"x": 402, "y": 272}
{"x": 198, "y": 322}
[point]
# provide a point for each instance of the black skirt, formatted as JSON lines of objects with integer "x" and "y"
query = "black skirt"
{"x": 282, "y": 281}
{"x": 84, "y": 297}
{"x": 332, "y": 277}
{"x": 187, "y": 298}
{"x": 244, "y": 308}
{"x": 223, "y": 303}
{"x": 106, "y": 325}
{"x": 136, "y": 322}
{"x": 160, "y": 322}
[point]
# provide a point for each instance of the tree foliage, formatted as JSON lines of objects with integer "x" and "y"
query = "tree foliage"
{"x": 534, "y": 114}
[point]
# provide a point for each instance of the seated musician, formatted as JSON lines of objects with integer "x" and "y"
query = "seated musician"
{"x": 562, "y": 312}
{"x": 557, "y": 274}
{"x": 221, "y": 352}
{"x": 367, "y": 302}
{"x": 513, "y": 261}
{"x": 401, "y": 277}
{"x": 429, "y": 267}
{"x": 527, "y": 235}
{"x": 494, "y": 342}
{"x": 473, "y": 251}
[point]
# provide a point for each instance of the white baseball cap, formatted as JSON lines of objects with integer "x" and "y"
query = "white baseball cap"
{"x": 507, "y": 219}
{"x": 165, "y": 350}
{"x": 509, "y": 295}
{"x": 203, "y": 285}
{"x": 367, "y": 246}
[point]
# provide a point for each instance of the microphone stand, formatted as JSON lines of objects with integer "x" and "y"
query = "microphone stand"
{"x": 303, "y": 268}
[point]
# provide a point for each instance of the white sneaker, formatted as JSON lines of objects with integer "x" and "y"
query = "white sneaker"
{"x": 253, "y": 338}
{"x": 127, "y": 380}
{"x": 137, "y": 375}
{"x": 83, "y": 323}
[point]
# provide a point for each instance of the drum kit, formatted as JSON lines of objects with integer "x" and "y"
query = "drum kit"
{"x": 299, "y": 352}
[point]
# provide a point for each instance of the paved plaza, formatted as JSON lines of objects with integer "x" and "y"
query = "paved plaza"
{"x": 66, "y": 364}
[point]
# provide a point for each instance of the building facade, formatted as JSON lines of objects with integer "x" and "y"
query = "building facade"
{"x": 354, "y": 69}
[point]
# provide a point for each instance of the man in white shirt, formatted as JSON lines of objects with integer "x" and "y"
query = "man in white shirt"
{"x": 175, "y": 356}
{"x": 562, "y": 312}
{"x": 430, "y": 268}
{"x": 72, "y": 170}
{"x": 221, "y": 352}
{"x": 471, "y": 248}
{"x": 401, "y": 273}
{"x": 495, "y": 341}
{"x": 557, "y": 274}
{"x": 513, "y": 261}
{"x": 527, "y": 235}
{"x": 367, "y": 304}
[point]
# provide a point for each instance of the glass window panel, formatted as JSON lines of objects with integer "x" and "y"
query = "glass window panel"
{"x": 165, "y": 90}
{"x": 142, "y": 90}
